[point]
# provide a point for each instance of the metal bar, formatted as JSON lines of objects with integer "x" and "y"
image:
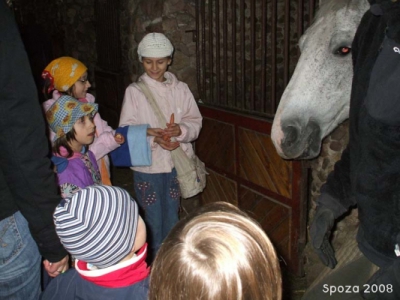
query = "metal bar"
{"x": 198, "y": 57}
{"x": 234, "y": 90}
{"x": 311, "y": 11}
{"x": 300, "y": 18}
{"x": 203, "y": 50}
{"x": 286, "y": 45}
{"x": 210, "y": 50}
{"x": 242, "y": 54}
{"x": 217, "y": 53}
{"x": 252, "y": 54}
{"x": 273, "y": 56}
{"x": 225, "y": 50}
{"x": 264, "y": 56}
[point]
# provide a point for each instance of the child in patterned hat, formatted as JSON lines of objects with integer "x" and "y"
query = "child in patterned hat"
{"x": 68, "y": 76}
{"x": 100, "y": 226}
{"x": 72, "y": 122}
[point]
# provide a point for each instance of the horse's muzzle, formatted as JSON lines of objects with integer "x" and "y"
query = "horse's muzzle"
{"x": 301, "y": 142}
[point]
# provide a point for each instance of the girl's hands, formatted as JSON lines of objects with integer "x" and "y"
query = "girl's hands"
{"x": 166, "y": 144}
{"x": 155, "y": 132}
{"x": 163, "y": 136}
{"x": 172, "y": 128}
{"x": 119, "y": 138}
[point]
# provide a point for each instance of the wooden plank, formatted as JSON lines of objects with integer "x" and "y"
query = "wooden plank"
{"x": 255, "y": 178}
{"x": 215, "y": 145}
{"x": 260, "y": 164}
{"x": 219, "y": 188}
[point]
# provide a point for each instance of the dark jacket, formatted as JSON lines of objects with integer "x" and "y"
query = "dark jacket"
{"x": 72, "y": 286}
{"x": 368, "y": 173}
{"x": 27, "y": 183}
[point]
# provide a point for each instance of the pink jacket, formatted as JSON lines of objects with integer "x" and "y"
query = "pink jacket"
{"x": 104, "y": 143}
{"x": 172, "y": 96}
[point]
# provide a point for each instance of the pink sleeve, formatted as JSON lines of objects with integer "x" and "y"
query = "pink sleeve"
{"x": 191, "y": 121}
{"x": 46, "y": 105}
{"x": 128, "y": 109}
{"x": 104, "y": 143}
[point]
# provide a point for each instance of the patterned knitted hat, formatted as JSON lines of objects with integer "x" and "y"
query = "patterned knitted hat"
{"x": 98, "y": 224}
{"x": 155, "y": 45}
{"x": 63, "y": 72}
{"x": 63, "y": 114}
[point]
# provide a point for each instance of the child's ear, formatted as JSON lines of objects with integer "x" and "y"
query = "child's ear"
{"x": 70, "y": 91}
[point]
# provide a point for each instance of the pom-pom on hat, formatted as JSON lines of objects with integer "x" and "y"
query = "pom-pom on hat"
{"x": 63, "y": 72}
{"x": 63, "y": 114}
{"x": 98, "y": 224}
{"x": 155, "y": 45}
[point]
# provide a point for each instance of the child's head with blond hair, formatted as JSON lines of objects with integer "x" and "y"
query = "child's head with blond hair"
{"x": 218, "y": 252}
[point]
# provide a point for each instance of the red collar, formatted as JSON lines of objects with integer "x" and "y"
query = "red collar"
{"x": 115, "y": 277}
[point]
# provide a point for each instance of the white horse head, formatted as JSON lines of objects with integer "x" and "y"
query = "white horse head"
{"x": 317, "y": 97}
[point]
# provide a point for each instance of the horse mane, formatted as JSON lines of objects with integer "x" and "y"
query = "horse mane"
{"x": 329, "y": 6}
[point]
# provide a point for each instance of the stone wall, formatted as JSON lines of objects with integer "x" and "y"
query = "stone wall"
{"x": 80, "y": 37}
{"x": 69, "y": 25}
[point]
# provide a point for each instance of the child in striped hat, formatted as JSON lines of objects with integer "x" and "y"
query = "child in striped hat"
{"x": 100, "y": 226}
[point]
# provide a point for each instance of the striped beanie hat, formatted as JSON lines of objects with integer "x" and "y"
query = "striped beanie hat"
{"x": 97, "y": 224}
{"x": 155, "y": 45}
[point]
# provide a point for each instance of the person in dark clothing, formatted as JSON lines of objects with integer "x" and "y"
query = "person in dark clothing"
{"x": 28, "y": 191}
{"x": 368, "y": 174}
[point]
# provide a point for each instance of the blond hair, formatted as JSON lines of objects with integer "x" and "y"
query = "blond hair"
{"x": 218, "y": 252}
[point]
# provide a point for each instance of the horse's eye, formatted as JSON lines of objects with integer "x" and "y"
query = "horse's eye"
{"x": 343, "y": 51}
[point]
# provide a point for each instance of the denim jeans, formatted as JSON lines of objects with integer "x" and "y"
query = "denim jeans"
{"x": 20, "y": 260}
{"x": 158, "y": 197}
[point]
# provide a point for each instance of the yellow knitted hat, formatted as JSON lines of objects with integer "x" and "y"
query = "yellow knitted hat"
{"x": 64, "y": 72}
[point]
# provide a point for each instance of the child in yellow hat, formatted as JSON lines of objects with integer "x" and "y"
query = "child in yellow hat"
{"x": 68, "y": 76}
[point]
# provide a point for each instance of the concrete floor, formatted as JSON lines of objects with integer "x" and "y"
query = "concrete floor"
{"x": 293, "y": 286}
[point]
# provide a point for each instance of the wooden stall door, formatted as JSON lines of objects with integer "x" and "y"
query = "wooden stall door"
{"x": 246, "y": 53}
{"x": 246, "y": 171}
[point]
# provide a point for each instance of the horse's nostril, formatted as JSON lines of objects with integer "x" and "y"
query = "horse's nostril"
{"x": 290, "y": 136}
